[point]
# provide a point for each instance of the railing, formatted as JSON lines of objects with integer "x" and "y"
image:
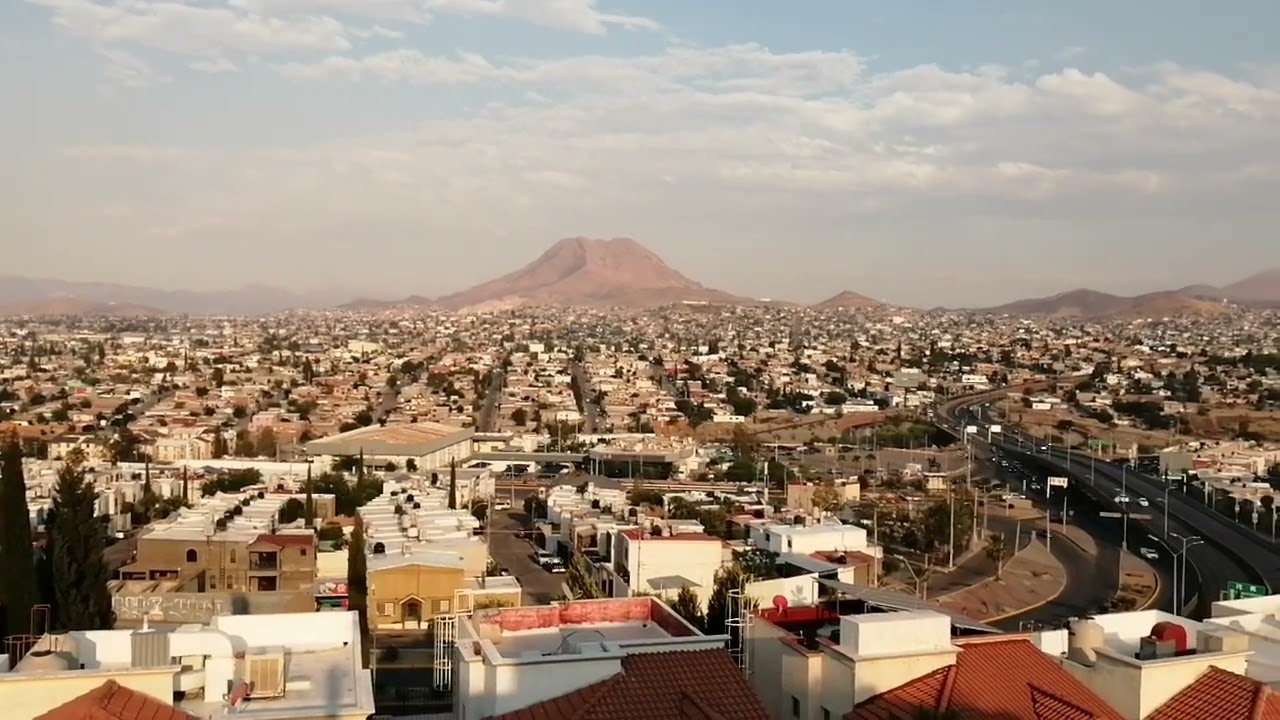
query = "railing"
{"x": 269, "y": 562}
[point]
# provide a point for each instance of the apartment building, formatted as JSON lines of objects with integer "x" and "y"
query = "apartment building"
{"x": 226, "y": 560}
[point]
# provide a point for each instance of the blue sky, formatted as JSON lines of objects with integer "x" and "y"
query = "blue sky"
{"x": 926, "y": 153}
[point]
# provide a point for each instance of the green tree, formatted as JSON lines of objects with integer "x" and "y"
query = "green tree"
{"x": 358, "y": 585}
{"x": 728, "y": 577}
{"x": 996, "y": 551}
{"x": 309, "y": 505}
{"x": 520, "y": 416}
{"x": 81, "y": 600}
{"x": 265, "y": 444}
{"x": 17, "y": 561}
{"x": 688, "y": 606}
{"x": 582, "y": 586}
{"x": 453, "y": 485}
{"x": 826, "y": 497}
{"x": 292, "y": 510}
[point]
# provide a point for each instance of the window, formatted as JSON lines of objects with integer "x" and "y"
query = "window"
{"x": 192, "y": 555}
{"x": 233, "y": 556}
{"x": 304, "y": 552}
{"x": 389, "y": 609}
{"x": 442, "y": 606}
{"x": 795, "y": 706}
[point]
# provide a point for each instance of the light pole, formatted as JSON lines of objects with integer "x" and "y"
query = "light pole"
{"x": 1179, "y": 590}
{"x": 1166, "y": 504}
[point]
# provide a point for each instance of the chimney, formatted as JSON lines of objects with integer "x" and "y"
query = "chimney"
{"x": 1084, "y": 638}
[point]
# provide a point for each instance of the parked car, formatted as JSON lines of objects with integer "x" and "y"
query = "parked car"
{"x": 1149, "y": 554}
{"x": 1143, "y": 502}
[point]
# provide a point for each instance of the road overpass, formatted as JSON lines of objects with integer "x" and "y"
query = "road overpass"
{"x": 1230, "y": 552}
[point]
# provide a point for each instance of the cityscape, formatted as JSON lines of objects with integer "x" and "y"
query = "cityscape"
{"x": 770, "y": 445}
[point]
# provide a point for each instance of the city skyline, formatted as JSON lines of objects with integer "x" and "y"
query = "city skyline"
{"x": 927, "y": 158}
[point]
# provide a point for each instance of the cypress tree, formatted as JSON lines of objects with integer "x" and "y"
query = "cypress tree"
{"x": 453, "y": 485}
{"x": 309, "y": 507}
{"x": 17, "y": 561}
{"x": 81, "y": 600}
{"x": 358, "y": 583}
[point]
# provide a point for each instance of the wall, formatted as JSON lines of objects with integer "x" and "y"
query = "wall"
{"x": 799, "y": 591}
{"x": 298, "y": 632}
{"x": 519, "y": 685}
{"x": 28, "y": 696}
{"x": 431, "y": 585}
{"x": 872, "y": 677}
{"x": 1136, "y": 689}
{"x": 695, "y": 560}
{"x": 189, "y": 607}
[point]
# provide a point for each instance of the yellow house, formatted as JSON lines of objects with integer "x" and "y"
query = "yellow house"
{"x": 407, "y": 591}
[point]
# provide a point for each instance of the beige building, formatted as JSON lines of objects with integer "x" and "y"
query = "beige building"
{"x": 227, "y": 560}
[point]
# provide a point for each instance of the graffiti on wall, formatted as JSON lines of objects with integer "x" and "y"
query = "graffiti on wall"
{"x": 170, "y": 608}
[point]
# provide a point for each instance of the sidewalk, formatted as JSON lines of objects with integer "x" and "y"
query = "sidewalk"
{"x": 1030, "y": 579}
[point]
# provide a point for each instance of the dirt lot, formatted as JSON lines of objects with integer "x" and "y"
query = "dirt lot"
{"x": 1218, "y": 424}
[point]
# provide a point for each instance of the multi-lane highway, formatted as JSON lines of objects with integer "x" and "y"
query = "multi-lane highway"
{"x": 1225, "y": 550}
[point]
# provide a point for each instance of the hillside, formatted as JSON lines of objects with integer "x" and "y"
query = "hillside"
{"x": 248, "y": 300}
{"x": 54, "y": 307}
{"x": 582, "y": 271}
{"x": 1093, "y": 304}
{"x": 847, "y": 300}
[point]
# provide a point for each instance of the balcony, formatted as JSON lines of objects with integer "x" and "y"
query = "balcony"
{"x": 264, "y": 561}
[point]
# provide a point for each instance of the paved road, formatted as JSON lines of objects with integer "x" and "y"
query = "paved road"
{"x": 1230, "y": 551}
{"x": 590, "y": 413}
{"x": 516, "y": 554}
{"x": 485, "y": 422}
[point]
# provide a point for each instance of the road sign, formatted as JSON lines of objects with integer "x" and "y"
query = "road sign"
{"x": 994, "y": 429}
{"x": 1239, "y": 590}
{"x": 971, "y": 430}
{"x": 1057, "y": 481}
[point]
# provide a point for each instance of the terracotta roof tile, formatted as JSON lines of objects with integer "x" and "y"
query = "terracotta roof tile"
{"x": 693, "y": 685}
{"x": 110, "y": 701}
{"x": 1006, "y": 678}
{"x": 1221, "y": 695}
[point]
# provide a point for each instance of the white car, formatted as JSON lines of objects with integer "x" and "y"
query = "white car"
{"x": 1143, "y": 502}
{"x": 1149, "y": 554}
{"x": 1122, "y": 499}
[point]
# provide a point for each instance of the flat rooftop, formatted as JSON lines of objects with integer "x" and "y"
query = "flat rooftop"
{"x": 521, "y": 633}
{"x": 319, "y": 683}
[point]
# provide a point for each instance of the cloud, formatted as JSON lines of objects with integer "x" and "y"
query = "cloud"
{"x": 573, "y": 15}
{"x": 127, "y": 70}
{"x": 214, "y": 66}
{"x": 731, "y": 149}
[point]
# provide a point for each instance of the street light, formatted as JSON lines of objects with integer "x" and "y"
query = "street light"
{"x": 1179, "y": 588}
{"x": 922, "y": 585}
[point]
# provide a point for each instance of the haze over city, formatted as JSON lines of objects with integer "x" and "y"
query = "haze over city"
{"x": 961, "y": 157}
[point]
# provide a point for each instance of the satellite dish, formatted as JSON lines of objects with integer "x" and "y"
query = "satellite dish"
{"x": 780, "y": 603}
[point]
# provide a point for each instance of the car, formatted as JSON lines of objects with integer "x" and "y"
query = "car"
{"x": 1148, "y": 554}
{"x": 1144, "y": 502}
{"x": 501, "y": 504}
{"x": 1122, "y": 499}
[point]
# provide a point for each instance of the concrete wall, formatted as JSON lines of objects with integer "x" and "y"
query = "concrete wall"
{"x": 1136, "y": 689}
{"x": 196, "y": 607}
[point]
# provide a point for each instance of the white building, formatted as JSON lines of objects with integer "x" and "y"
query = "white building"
{"x": 248, "y": 667}
{"x": 779, "y": 538}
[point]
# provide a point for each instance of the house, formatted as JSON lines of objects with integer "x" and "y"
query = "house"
{"x": 111, "y": 701}
{"x": 593, "y": 660}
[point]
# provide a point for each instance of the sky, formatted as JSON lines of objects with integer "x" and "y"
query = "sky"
{"x": 960, "y": 153}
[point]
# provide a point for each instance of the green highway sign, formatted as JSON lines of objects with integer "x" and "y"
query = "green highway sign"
{"x": 1239, "y": 590}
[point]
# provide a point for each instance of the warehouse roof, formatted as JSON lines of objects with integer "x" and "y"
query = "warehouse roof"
{"x": 408, "y": 440}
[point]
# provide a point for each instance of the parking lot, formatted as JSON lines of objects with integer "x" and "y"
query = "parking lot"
{"x": 516, "y": 554}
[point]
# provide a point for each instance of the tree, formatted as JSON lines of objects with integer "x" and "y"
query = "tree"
{"x": 728, "y": 577}
{"x": 520, "y": 416}
{"x": 309, "y": 505}
{"x": 358, "y": 585}
{"x": 81, "y": 600}
{"x": 244, "y": 445}
{"x": 219, "y": 448}
{"x": 581, "y": 585}
{"x": 688, "y": 606}
{"x": 453, "y": 484}
{"x": 17, "y": 561}
{"x": 644, "y": 496}
{"x": 292, "y": 510}
{"x": 996, "y": 551}
{"x": 826, "y": 498}
{"x": 265, "y": 445}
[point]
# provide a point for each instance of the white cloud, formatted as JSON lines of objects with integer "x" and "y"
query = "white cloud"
{"x": 195, "y": 30}
{"x": 127, "y": 70}
{"x": 719, "y": 145}
{"x": 574, "y": 15}
{"x": 214, "y": 66}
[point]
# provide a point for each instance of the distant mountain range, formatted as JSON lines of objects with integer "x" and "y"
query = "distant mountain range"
{"x": 584, "y": 272}
{"x": 579, "y": 271}
{"x": 1258, "y": 290}
{"x": 49, "y": 296}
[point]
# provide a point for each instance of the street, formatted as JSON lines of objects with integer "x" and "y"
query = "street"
{"x": 486, "y": 421}
{"x": 516, "y": 554}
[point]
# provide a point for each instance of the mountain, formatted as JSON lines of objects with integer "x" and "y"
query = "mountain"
{"x": 583, "y": 271}
{"x": 1093, "y": 304}
{"x": 247, "y": 300}
{"x": 1258, "y": 289}
{"x": 847, "y": 300}
{"x": 54, "y": 307}
{"x": 374, "y": 305}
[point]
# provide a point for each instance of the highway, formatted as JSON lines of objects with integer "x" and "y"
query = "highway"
{"x": 1229, "y": 552}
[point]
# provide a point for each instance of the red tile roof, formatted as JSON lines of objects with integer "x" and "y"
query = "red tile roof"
{"x": 1221, "y": 695}
{"x": 645, "y": 537}
{"x": 693, "y": 685}
{"x": 110, "y": 701}
{"x": 1004, "y": 677}
{"x": 283, "y": 541}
